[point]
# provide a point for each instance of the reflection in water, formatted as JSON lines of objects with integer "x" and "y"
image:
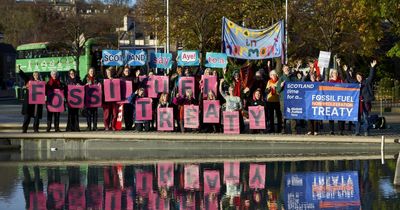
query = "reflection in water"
{"x": 210, "y": 186}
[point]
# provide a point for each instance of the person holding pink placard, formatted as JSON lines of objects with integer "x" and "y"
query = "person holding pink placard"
{"x": 139, "y": 124}
{"x": 53, "y": 84}
{"x": 128, "y": 108}
{"x": 91, "y": 113}
{"x": 30, "y": 110}
{"x": 258, "y": 100}
{"x": 180, "y": 102}
{"x": 110, "y": 109}
{"x": 210, "y": 127}
{"x": 232, "y": 102}
{"x": 73, "y": 113}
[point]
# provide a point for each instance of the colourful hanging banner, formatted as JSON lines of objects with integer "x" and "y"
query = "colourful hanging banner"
{"x": 255, "y": 44}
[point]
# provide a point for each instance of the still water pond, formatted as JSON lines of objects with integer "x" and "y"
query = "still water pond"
{"x": 350, "y": 184}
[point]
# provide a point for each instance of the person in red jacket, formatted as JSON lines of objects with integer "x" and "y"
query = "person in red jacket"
{"x": 110, "y": 109}
{"x": 53, "y": 84}
{"x": 335, "y": 78}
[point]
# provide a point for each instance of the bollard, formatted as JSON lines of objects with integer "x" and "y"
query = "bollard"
{"x": 397, "y": 172}
{"x": 382, "y": 150}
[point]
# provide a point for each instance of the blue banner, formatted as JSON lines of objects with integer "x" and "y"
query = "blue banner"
{"x": 160, "y": 60}
{"x": 188, "y": 58}
{"x": 321, "y": 101}
{"x": 216, "y": 60}
{"x": 135, "y": 57}
{"x": 244, "y": 43}
{"x": 318, "y": 190}
{"x": 112, "y": 58}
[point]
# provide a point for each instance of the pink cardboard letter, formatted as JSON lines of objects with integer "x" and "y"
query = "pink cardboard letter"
{"x": 211, "y": 111}
{"x": 257, "y": 176}
{"x": 191, "y": 116}
{"x": 165, "y": 174}
{"x": 126, "y": 90}
{"x": 231, "y": 122}
{"x": 257, "y": 117}
{"x": 112, "y": 90}
{"x": 144, "y": 182}
{"x": 186, "y": 83}
{"x": 231, "y": 172}
{"x": 93, "y": 96}
{"x": 143, "y": 109}
{"x": 209, "y": 83}
{"x": 113, "y": 199}
{"x": 37, "y": 92}
{"x": 191, "y": 177}
{"x": 212, "y": 182}
{"x": 165, "y": 119}
{"x": 55, "y": 101}
{"x": 76, "y": 96}
{"x": 56, "y": 194}
{"x": 76, "y": 197}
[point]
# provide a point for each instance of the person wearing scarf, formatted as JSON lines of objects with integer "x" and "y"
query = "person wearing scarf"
{"x": 273, "y": 104}
{"x": 73, "y": 113}
{"x": 30, "y": 110}
{"x": 91, "y": 113}
{"x": 53, "y": 84}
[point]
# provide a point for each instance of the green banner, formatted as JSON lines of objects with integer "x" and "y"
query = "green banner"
{"x": 47, "y": 64}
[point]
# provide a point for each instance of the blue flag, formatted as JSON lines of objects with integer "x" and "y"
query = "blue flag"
{"x": 135, "y": 57}
{"x": 112, "y": 58}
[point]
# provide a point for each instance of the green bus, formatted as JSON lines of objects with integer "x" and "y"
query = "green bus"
{"x": 46, "y": 57}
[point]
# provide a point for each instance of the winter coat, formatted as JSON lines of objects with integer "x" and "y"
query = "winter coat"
{"x": 32, "y": 110}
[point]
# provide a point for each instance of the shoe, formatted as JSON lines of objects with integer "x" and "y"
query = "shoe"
{"x": 310, "y": 133}
{"x": 332, "y": 133}
{"x": 366, "y": 134}
{"x": 24, "y": 131}
{"x": 357, "y": 134}
{"x": 341, "y": 133}
{"x": 315, "y": 133}
{"x": 106, "y": 129}
{"x": 58, "y": 130}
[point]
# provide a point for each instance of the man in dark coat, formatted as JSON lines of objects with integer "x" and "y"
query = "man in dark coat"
{"x": 366, "y": 97}
{"x": 30, "y": 110}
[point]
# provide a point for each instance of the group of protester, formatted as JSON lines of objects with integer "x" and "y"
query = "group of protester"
{"x": 247, "y": 87}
